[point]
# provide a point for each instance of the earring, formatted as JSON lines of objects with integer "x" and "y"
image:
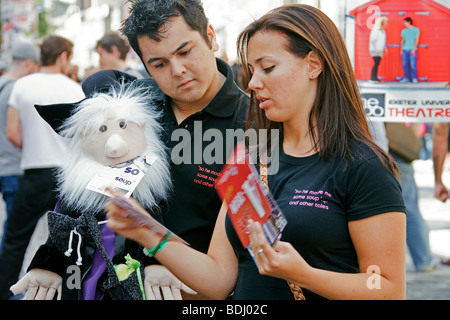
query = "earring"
{"x": 312, "y": 75}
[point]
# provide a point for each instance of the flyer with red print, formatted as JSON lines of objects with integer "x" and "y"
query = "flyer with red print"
{"x": 247, "y": 198}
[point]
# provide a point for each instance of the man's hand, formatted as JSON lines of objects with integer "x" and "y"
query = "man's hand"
{"x": 40, "y": 285}
{"x": 441, "y": 192}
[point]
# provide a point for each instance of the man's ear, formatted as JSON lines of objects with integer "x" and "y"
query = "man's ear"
{"x": 63, "y": 56}
{"x": 115, "y": 50}
{"x": 315, "y": 65}
{"x": 212, "y": 38}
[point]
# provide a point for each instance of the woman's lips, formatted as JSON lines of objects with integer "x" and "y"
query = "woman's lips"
{"x": 263, "y": 102}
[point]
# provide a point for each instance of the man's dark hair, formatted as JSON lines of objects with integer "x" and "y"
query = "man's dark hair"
{"x": 150, "y": 18}
{"x": 53, "y": 47}
{"x": 113, "y": 39}
{"x": 408, "y": 19}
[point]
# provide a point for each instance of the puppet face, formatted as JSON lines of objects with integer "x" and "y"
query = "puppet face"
{"x": 115, "y": 141}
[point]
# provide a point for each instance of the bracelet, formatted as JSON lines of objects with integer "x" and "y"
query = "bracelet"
{"x": 150, "y": 253}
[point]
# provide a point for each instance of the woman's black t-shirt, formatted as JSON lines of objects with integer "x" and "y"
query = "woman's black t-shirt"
{"x": 318, "y": 200}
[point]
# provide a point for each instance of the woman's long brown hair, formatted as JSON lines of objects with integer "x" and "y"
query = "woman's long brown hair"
{"x": 338, "y": 112}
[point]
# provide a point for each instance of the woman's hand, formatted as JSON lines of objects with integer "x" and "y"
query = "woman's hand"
{"x": 121, "y": 222}
{"x": 283, "y": 261}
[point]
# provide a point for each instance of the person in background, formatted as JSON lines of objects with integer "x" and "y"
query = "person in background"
{"x": 377, "y": 45}
{"x": 410, "y": 40}
{"x": 417, "y": 231}
{"x": 42, "y": 150}
{"x": 302, "y": 85}
{"x": 440, "y": 149}
{"x": 26, "y": 59}
{"x": 113, "y": 50}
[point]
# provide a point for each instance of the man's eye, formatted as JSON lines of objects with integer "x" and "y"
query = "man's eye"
{"x": 103, "y": 128}
{"x": 160, "y": 65}
{"x": 185, "y": 52}
{"x": 123, "y": 125}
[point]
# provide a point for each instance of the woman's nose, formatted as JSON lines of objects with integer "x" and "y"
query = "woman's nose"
{"x": 255, "y": 83}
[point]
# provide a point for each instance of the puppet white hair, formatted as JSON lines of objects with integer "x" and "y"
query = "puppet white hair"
{"x": 131, "y": 103}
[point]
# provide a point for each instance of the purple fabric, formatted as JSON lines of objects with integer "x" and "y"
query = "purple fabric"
{"x": 57, "y": 205}
{"x": 90, "y": 291}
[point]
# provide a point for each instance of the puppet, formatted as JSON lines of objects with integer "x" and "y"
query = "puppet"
{"x": 113, "y": 136}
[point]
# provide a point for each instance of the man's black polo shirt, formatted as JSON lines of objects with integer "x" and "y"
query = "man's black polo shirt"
{"x": 198, "y": 150}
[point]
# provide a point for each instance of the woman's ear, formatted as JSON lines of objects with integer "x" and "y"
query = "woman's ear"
{"x": 315, "y": 66}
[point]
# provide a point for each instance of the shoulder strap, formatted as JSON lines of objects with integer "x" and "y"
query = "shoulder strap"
{"x": 263, "y": 170}
{"x": 296, "y": 290}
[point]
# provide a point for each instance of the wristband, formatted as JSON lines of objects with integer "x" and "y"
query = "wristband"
{"x": 150, "y": 253}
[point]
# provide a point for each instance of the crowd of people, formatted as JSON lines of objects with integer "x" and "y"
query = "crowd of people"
{"x": 302, "y": 86}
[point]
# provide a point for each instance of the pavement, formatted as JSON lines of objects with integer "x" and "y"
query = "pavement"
{"x": 433, "y": 285}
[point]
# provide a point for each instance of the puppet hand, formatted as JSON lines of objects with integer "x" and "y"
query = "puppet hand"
{"x": 158, "y": 279}
{"x": 40, "y": 285}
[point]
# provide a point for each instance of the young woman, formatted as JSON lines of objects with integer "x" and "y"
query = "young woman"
{"x": 377, "y": 45}
{"x": 347, "y": 243}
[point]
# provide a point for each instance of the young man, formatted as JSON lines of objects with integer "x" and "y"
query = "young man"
{"x": 197, "y": 96}
{"x": 410, "y": 40}
{"x": 42, "y": 150}
{"x": 197, "y": 92}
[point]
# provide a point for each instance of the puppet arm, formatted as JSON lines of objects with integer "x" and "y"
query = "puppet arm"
{"x": 161, "y": 284}
{"x": 43, "y": 275}
{"x": 40, "y": 285}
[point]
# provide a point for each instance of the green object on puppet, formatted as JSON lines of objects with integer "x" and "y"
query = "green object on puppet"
{"x": 124, "y": 270}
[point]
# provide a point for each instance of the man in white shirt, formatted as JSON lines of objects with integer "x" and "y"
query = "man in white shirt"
{"x": 42, "y": 150}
